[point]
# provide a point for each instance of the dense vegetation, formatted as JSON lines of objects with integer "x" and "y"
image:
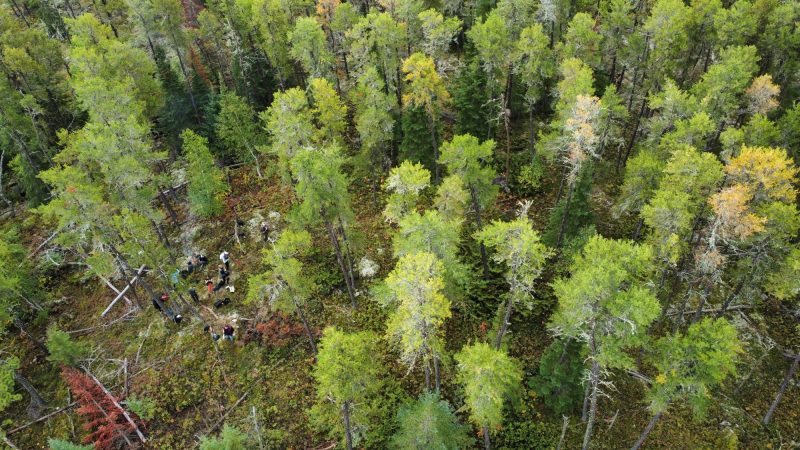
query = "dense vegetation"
{"x": 451, "y": 224}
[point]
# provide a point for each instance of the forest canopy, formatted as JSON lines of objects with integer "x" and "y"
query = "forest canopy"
{"x": 410, "y": 224}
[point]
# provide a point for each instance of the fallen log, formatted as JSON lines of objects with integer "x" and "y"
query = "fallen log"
{"x": 120, "y": 293}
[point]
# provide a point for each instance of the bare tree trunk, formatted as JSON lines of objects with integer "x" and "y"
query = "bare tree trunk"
{"x": 427, "y": 369}
{"x": 593, "y": 380}
{"x": 646, "y": 431}
{"x": 585, "y": 410}
{"x": 348, "y": 436}
{"x": 436, "y": 373}
{"x": 308, "y": 330}
{"x": 506, "y": 322}
{"x": 37, "y": 403}
{"x": 487, "y": 441}
{"x": 784, "y": 385}
{"x": 432, "y": 129}
{"x": 340, "y": 259}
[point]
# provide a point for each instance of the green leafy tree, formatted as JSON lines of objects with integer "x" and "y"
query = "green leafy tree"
{"x": 690, "y": 365}
{"x": 405, "y": 182}
{"x": 429, "y": 423}
{"x": 207, "y": 183}
{"x": 415, "y": 325}
{"x": 438, "y": 34}
{"x": 582, "y": 41}
{"x": 606, "y": 304}
{"x": 237, "y": 130}
{"x": 489, "y": 378}
{"x": 451, "y": 198}
{"x": 377, "y": 40}
{"x": 347, "y": 377}
{"x": 517, "y": 246}
{"x": 62, "y": 349}
{"x": 285, "y": 286}
{"x": 534, "y": 69}
{"x": 322, "y": 189}
{"x": 466, "y": 157}
{"x": 273, "y": 20}
{"x": 8, "y": 367}
{"x": 470, "y": 98}
{"x": 426, "y": 90}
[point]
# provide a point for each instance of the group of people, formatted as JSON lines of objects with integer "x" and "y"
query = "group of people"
{"x": 196, "y": 263}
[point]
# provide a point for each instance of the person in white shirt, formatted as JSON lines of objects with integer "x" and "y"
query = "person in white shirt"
{"x": 225, "y": 258}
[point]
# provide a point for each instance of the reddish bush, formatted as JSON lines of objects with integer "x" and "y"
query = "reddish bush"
{"x": 104, "y": 420}
{"x": 277, "y": 331}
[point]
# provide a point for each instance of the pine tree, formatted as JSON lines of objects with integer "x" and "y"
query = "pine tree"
{"x": 606, "y": 304}
{"x": 308, "y": 47}
{"x": 109, "y": 426}
{"x": 429, "y": 423}
{"x": 229, "y": 439}
{"x": 63, "y": 350}
{"x": 690, "y": 365}
{"x": 415, "y": 325}
{"x": 236, "y": 130}
{"x": 322, "y": 189}
{"x": 405, "y": 182}
{"x": 207, "y": 183}
{"x": 330, "y": 112}
{"x": 347, "y": 377}
{"x": 489, "y": 378}
{"x": 518, "y": 246}
{"x": 284, "y": 286}
{"x": 289, "y": 123}
{"x": 374, "y": 122}
{"x": 466, "y": 157}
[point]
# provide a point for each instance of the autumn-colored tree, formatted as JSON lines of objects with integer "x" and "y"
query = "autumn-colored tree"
{"x": 109, "y": 425}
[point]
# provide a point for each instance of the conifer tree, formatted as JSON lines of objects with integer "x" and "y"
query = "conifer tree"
{"x": 322, "y": 189}
{"x": 347, "y": 377}
{"x": 426, "y": 90}
{"x": 415, "y": 325}
{"x": 289, "y": 123}
{"x": 429, "y": 423}
{"x": 236, "y": 129}
{"x": 519, "y": 248}
{"x": 309, "y": 47}
{"x": 207, "y": 183}
{"x": 607, "y": 304}
{"x": 284, "y": 286}
{"x": 330, "y": 112}
{"x": 466, "y": 157}
{"x": 690, "y": 365}
{"x": 405, "y": 182}
{"x": 489, "y": 378}
{"x": 374, "y": 122}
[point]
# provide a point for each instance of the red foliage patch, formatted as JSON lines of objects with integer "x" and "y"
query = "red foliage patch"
{"x": 277, "y": 331}
{"x": 104, "y": 420}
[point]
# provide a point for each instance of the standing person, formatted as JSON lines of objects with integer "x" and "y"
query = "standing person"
{"x": 210, "y": 285}
{"x": 225, "y": 257}
{"x": 193, "y": 294}
{"x": 190, "y": 266}
{"x": 227, "y": 332}
{"x": 201, "y": 259}
{"x": 224, "y": 276}
{"x": 265, "y": 231}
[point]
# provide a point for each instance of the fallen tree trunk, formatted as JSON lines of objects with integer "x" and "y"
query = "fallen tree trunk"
{"x": 120, "y": 294}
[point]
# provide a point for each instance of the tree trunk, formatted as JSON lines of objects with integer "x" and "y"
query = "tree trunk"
{"x": 479, "y": 221}
{"x": 427, "y": 369}
{"x": 340, "y": 259}
{"x": 593, "y": 380}
{"x": 585, "y": 410}
{"x": 308, "y": 330}
{"x": 784, "y": 385}
{"x": 348, "y": 436}
{"x": 504, "y": 326}
{"x": 37, "y": 403}
{"x": 487, "y": 441}
{"x": 22, "y": 329}
{"x": 436, "y": 373}
{"x": 168, "y": 206}
{"x": 564, "y": 215}
{"x": 432, "y": 129}
{"x": 531, "y": 135}
{"x": 732, "y": 296}
{"x": 646, "y": 431}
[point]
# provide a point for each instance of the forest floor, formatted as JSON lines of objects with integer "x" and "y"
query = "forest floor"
{"x": 266, "y": 384}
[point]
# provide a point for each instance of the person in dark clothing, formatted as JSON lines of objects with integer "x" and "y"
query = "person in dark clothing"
{"x": 224, "y": 276}
{"x": 190, "y": 266}
{"x": 265, "y": 231}
{"x": 156, "y": 305}
{"x": 193, "y": 294}
{"x": 227, "y": 332}
{"x": 202, "y": 260}
{"x": 220, "y": 303}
